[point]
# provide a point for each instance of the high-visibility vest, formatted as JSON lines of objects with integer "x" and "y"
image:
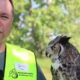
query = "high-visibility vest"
{"x": 20, "y": 64}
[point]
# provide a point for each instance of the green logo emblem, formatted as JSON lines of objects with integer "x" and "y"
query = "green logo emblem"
{"x": 13, "y": 73}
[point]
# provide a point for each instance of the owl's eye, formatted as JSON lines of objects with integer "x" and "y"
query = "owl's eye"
{"x": 54, "y": 46}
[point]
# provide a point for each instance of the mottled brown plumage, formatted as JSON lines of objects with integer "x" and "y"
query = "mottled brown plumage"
{"x": 65, "y": 59}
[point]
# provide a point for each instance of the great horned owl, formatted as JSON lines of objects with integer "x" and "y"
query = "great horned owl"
{"x": 65, "y": 59}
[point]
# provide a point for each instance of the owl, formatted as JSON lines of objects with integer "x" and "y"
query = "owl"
{"x": 65, "y": 59}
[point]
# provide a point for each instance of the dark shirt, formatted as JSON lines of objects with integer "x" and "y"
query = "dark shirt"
{"x": 2, "y": 56}
{"x": 1, "y": 75}
{"x": 40, "y": 74}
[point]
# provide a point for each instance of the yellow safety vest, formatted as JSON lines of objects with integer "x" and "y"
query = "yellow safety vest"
{"x": 20, "y": 64}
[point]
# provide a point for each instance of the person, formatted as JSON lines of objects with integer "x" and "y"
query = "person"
{"x": 15, "y": 63}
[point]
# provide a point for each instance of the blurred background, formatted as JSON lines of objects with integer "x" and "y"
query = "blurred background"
{"x": 36, "y": 22}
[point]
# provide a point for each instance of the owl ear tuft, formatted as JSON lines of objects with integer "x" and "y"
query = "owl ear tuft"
{"x": 60, "y": 39}
{"x": 64, "y": 39}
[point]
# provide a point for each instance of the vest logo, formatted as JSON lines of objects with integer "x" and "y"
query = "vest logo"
{"x": 13, "y": 74}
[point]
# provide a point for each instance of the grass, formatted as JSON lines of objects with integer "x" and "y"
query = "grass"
{"x": 45, "y": 66}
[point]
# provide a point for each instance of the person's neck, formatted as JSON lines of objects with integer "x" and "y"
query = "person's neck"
{"x": 2, "y": 47}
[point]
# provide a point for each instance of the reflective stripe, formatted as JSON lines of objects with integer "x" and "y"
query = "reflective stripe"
{"x": 20, "y": 64}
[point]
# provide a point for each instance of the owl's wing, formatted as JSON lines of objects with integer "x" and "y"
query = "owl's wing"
{"x": 78, "y": 72}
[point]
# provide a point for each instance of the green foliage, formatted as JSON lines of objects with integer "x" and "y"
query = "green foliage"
{"x": 34, "y": 27}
